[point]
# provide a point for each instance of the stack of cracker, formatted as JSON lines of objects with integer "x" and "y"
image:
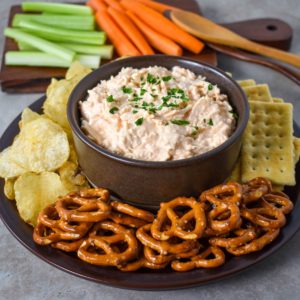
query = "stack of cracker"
{"x": 269, "y": 148}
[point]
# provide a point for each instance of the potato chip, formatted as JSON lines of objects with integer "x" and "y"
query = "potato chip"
{"x": 27, "y": 116}
{"x": 9, "y": 168}
{"x": 246, "y": 82}
{"x": 41, "y": 146}
{"x": 33, "y": 192}
{"x": 77, "y": 69}
{"x": 58, "y": 92}
{"x": 72, "y": 179}
{"x": 259, "y": 92}
{"x": 9, "y": 190}
{"x": 268, "y": 143}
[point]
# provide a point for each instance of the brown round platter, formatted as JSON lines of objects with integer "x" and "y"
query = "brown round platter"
{"x": 143, "y": 279}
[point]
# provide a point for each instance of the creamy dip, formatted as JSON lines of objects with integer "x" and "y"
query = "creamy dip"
{"x": 156, "y": 114}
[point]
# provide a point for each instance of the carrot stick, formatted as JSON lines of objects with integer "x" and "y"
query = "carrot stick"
{"x": 115, "y": 4}
{"x": 131, "y": 31}
{"x": 96, "y": 4}
{"x": 156, "y": 40}
{"x": 164, "y": 26}
{"x": 158, "y": 6}
{"x": 123, "y": 46}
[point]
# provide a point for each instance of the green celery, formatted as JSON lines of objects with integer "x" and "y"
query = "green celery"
{"x": 41, "y": 44}
{"x": 66, "y": 39}
{"x": 40, "y": 59}
{"x": 60, "y": 21}
{"x": 106, "y": 51}
{"x": 58, "y": 34}
{"x": 57, "y": 8}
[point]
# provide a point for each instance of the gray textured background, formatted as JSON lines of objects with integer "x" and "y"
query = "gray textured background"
{"x": 24, "y": 276}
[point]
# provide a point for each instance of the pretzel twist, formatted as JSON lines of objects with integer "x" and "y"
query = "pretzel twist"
{"x": 163, "y": 247}
{"x": 79, "y": 209}
{"x": 280, "y": 201}
{"x": 103, "y": 250}
{"x": 140, "y": 263}
{"x": 254, "y": 189}
{"x": 256, "y": 244}
{"x": 266, "y": 216}
{"x": 201, "y": 260}
{"x": 68, "y": 246}
{"x": 179, "y": 224}
{"x": 242, "y": 236}
{"x": 158, "y": 258}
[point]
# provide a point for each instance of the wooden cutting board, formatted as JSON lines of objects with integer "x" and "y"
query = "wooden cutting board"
{"x": 36, "y": 79}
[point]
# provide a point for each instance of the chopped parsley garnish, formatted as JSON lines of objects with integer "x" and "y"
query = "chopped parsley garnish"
{"x": 143, "y": 92}
{"x": 180, "y": 122}
{"x": 210, "y": 87}
{"x": 210, "y": 122}
{"x": 154, "y": 96}
{"x": 139, "y": 121}
{"x": 167, "y": 78}
{"x": 136, "y": 98}
{"x": 142, "y": 78}
{"x": 113, "y": 110}
{"x": 126, "y": 90}
{"x": 234, "y": 114}
{"x": 151, "y": 79}
{"x": 152, "y": 110}
{"x": 110, "y": 98}
{"x": 145, "y": 104}
{"x": 135, "y": 111}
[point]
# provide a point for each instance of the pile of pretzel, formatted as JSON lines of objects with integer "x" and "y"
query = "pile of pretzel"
{"x": 186, "y": 233}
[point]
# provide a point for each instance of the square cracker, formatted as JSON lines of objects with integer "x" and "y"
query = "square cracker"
{"x": 246, "y": 82}
{"x": 259, "y": 92}
{"x": 268, "y": 149}
{"x": 278, "y": 100}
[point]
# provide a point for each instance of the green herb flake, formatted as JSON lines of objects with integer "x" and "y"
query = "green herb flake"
{"x": 154, "y": 96}
{"x": 210, "y": 87}
{"x": 113, "y": 110}
{"x": 152, "y": 110}
{"x": 210, "y": 122}
{"x": 135, "y": 111}
{"x": 139, "y": 121}
{"x": 143, "y": 92}
{"x": 234, "y": 114}
{"x": 110, "y": 98}
{"x": 126, "y": 90}
{"x": 180, "y": 122}
{"x": 166, "y": 78}
{"x": 151, "y": 79}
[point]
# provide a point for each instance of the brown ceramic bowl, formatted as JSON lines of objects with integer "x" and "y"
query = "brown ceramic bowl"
{"x": 146, "y": 183}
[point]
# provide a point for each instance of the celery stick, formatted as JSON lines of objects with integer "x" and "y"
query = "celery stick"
{"x": 60, "y": 21}
{"x": 65, "y": 39}
{"x": 57, "y": 8}
{"x": 40, "y": 44}
{"x": 40, "y": 59}
{"x": 105, "y": 51}
{"x": 98, "y": 36}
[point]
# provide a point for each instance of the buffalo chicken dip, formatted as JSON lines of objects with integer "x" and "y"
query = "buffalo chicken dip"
{"x": 156, "y": 114}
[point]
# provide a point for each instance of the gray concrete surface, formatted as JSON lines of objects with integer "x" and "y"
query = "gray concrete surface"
{"x": 24, "y": 276}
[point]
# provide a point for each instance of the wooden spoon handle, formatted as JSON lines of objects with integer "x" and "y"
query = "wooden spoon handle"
{"x": 283, "y": 56}
{"x": 245, "y": 56}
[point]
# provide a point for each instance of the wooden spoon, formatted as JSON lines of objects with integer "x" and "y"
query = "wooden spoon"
{"x": 211, "y": 32}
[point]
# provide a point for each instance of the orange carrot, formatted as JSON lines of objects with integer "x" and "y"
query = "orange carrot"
{"x": 115, "y": 4}
{"x": 158, "y": 6}
{"x": 164, "y": 26}
{"x": 123, "y": 46}
{"x": 156, "y": 40}
{"x": 131, "y": 31}
{"x": 96, "y": 4}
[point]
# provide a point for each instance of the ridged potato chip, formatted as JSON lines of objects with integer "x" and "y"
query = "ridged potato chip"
{"x": 33, "y": 192}
{"x": 9, "y": 190}
{"x": 41, "y": 146}
{"x": 58, "y": 92}
{"x": 9, "y": 168}
{"x": 71, "y": 178}
{"x": 77, "y": 69}
{"x": 27, "y": 116}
